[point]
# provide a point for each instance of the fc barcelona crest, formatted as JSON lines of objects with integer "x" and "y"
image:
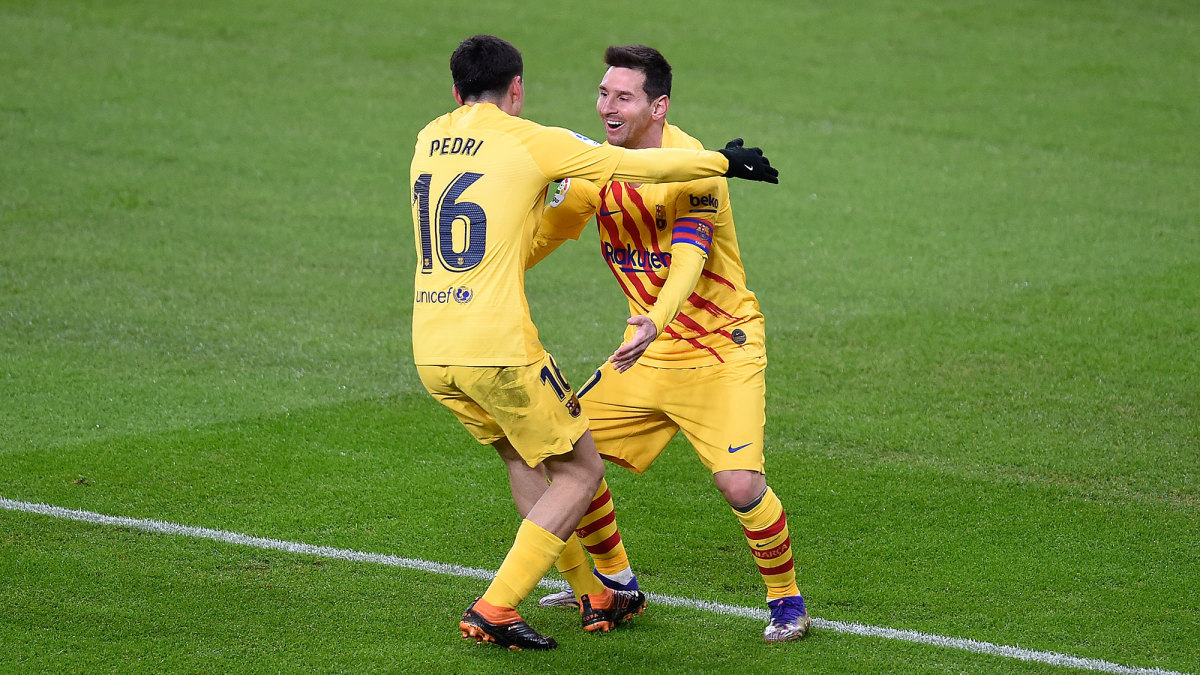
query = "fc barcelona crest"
{"x": 660, "y": 217}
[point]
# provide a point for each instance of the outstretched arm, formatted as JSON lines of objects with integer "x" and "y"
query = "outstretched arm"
{"x": 658, "y": 164}
{"x": 686, "y": 265}
{"x": 568, "y": 212}
{"x": 560, "y": 153}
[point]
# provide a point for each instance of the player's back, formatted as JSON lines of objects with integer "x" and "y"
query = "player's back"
{"x": 477, "y": 193}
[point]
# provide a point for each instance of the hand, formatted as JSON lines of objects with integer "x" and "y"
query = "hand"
{"x": 748, "y": 163}
{"x": 628, "y": 353}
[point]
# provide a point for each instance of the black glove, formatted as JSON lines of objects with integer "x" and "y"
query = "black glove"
{"x": 748, "y": 163}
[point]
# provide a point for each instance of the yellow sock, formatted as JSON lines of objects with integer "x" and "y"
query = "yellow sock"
{"x": 572, "y": 556}
{"x": 598, "y": 532}
{"x": 531, "y": 556}
{"x": 765, "y": 525}
{"x": 572, "y": 564}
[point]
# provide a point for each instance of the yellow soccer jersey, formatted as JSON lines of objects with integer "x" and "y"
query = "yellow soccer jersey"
{"x": 640, "y": 226}
{"x": 479, "y": 178}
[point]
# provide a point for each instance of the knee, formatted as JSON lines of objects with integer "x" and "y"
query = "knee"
{"x": 740, "y": 488}
{"x": 590, "y": 462}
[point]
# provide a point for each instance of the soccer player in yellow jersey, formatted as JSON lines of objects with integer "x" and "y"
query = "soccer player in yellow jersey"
{"x": 694, "y": 356}
{"x": 479, "y": 178}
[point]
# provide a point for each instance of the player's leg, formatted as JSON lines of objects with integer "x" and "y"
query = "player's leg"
{"x": 528, "y": 484}
{"x": 728, "y": 438}
{"x": 602, "y": 609}
{"x": 544, "y": 428}
{"x": 765, "y": 525}
{"x": 574, "y": 477}
{"x": 631, "y": 431}
{"x": 627, "y": 431}
{"x": 574, "y": 566}
{"x": 541, "y": 433}
{"x": 547, "y": 524}
{"x": 493, "y": 617}
{"x": 598, "y": 534}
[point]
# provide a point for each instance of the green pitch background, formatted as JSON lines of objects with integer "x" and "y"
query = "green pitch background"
{"x": 981, "y": 275}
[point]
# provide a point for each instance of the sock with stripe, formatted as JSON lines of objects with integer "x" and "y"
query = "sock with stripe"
{"x": 531, "y": 556}
{"x": 598, "y": 532}
{"x": 765, "y": 525}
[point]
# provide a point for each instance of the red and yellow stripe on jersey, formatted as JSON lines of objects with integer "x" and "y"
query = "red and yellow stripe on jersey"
{"x": 479, "y": 178}
{"x": 643, "y": 228}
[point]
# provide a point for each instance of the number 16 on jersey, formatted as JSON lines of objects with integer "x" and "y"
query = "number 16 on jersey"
{"x": 450, "y": 212}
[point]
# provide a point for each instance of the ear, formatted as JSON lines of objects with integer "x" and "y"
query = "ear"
{"x": 516, "y": 96}
{"x": 659, "y": 106}
{"x": 457, "y": 96}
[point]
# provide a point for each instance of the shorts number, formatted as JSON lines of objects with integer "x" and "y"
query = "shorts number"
{"x": 448, "y": 211}
{"x": 552, "y": 376}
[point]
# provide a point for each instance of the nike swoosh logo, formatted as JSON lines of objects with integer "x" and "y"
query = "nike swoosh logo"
{"x": 761, "y": 545}
{"x": 733, "y": 449}
{"x": 748, "y": 167}
{"x": 608, "y": 213}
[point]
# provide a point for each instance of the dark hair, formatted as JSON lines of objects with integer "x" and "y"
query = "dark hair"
{"x": 484, "y": 64}
{"x": 646, "y": 59}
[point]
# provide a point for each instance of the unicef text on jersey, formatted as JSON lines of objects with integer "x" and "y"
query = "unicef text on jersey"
{"x": 460, "y": 294}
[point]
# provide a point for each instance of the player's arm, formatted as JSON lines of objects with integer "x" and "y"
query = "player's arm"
{"x": 735, "y": 161}
{"x": 564, "y": 217}
{"x": 687, "y": 262}
{"x": 691, "y": 238}
{"x": 560, "y": 153}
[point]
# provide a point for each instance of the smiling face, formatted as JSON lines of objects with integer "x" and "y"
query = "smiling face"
{"x": 631, "y": 119}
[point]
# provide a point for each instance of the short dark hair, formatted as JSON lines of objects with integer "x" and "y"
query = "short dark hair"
{"x": 646, "y": 59}
{"x": 484, "y": 64}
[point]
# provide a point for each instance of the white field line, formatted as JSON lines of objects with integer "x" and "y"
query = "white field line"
{"x": 162, "y": 527}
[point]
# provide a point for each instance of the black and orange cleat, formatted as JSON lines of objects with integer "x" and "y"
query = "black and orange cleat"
{"x": 505, "y": 628}
{"x": 604, "y": 611}
{"x": 566, "y": 598}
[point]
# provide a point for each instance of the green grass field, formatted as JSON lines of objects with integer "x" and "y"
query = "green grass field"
{"x": 981, "y": 276}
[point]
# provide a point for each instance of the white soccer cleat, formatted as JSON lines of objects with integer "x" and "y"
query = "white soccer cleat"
{"x": 560, "y": 599}
{"x": 789, "y": 620}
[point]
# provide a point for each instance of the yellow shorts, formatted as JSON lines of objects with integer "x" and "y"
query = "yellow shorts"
{"x": 721, "y": 410}
{"x": 532, "y": 405}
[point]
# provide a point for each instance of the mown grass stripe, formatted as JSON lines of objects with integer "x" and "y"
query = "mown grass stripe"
{"x": 164, "y": 527}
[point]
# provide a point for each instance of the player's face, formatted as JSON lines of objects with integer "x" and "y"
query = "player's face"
{"x": 624, "y": 107}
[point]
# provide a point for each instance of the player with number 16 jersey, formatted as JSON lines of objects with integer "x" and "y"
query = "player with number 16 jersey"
{"x": 479, "y": 183}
